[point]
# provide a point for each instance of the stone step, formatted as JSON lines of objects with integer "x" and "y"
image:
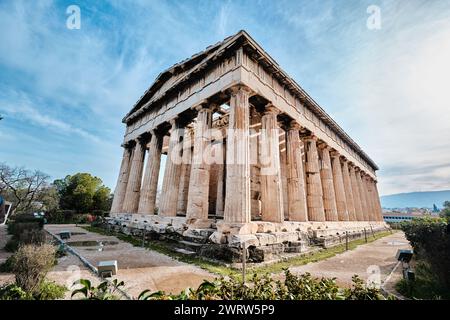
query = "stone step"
{"x": 185, "y": 252}
{"x": 189, "y": 245}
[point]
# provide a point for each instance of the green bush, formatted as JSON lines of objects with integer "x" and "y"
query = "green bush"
{"x": 50, "y": 291}
{"x": 430, "y": 239}
{"x": 6, "y": 267}
{"x": 12, "y": 245}
{"x": 13, "y": 292}
{"x": 303, "y": 287}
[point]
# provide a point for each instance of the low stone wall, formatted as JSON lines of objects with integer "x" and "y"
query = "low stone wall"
{"x": 265, "y": 241}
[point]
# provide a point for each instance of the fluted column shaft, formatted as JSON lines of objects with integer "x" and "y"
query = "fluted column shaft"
{"x": 197, "y": 206}
{"x": 185, "y": 172}
{"x": 379, "y": 210}
{"x": 297, "y": 207}
{"x": 348, "y": 191}
{"x": 149, "y": 187}
{"x": 356, "y": 194}
{"x": 362, "y": 195}
{"x": 171, "y": 182}
{"x": 341, "y": 201}
{"x": 271, "y": 198}
{"x": 314, "y": 198}
{"x": 370, "y": 199}
{"x": 122, "y": 181}
{"x": 237, "y": 196}
{"x": 131, "y": 201}
{"x": 329, "y": 197}
{"x": 220, "y": 198}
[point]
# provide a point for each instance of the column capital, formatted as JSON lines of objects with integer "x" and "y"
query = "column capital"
{"x": 334, "y": 153}
{"x": 271, "y": 109}
{"x": 323, "y": 146}
{"x": 293, "y": 125}
{"x": 241, "y": 88}
{"x": 310, "y": 137}
{"x": 205, "y": 105}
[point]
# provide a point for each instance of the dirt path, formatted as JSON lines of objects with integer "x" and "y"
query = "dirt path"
{"x": 375, "y": 260}
{"x": 139, "y": 268}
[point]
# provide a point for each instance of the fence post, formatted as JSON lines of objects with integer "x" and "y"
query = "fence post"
{"x": 346, "y": 240}
{"x": 244, "y": 260}
{"x": 365, "y": 234}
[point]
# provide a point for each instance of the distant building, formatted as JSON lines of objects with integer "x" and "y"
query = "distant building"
{"x": 404, "y": 215}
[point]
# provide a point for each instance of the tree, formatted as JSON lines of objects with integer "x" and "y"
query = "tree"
{"x": 83, "y": 193}
{"x": 445, "y": 213}
{"x": 27, "y": 190}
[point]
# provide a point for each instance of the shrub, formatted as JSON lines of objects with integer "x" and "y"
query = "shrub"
{"x": 12, "y": 245}
{"x": 430, "y": 238}
{"x": 6, "y": 267}
{"x": 50, "y": 291}
{"x": 104, "y": 291}
{"x": 30, "y": 265}
{"x": 13, "y": 292}
{"x": 303, "y": 287}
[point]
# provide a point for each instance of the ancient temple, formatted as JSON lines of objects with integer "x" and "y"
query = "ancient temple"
{"x": 251, "y": 160}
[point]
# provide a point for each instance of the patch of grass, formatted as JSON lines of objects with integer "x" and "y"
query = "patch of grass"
{"x": 225, "y": 270}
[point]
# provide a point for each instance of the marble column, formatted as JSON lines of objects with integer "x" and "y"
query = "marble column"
{"x": 197, "y": 206}
{"x": 297, "y": 207}
{"x": 314, "y": 198}
{"x": 271, "y": 198}
{"x": 237, "y": 195}
{"x": 131, "y": 201}
{"x": 326, "y": 174}
{"x": 339, "y": 189}
{"x": 362, "y": 195}
{"x": 185, "y": 172}
{"x": 149, "y": 187}
{"x": 379, "y": 209}
{"x": 220, "y": 198}
{"x": 356, "y": 194}
{"x": 121, "y": 186}
{"x": 348, "y": 191}
{"x": 171, "y": 182}
{"x": 370, "y": 193}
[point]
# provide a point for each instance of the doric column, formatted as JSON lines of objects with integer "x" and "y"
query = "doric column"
{"x": 121, "y": 186}
{"x": 362, "y": 194}
{"x": 237, "y": 195}
{"x": 220, "y": 198}
{"x": 171, "y": 182}
{"x": 185, "y": 172}
{"x": 271, "y": 199}
{"x": 369, "y": 193}
{"x": 379, "y": 210}
{"x": 329, "y": 197}
{"x": 339, "y": 189}
{"x": 314, "y": 198}
{"x": 197, "y": 206}
{"x": 348, "y": 191}
{"x": 149, "y": 187}
{"x": 298, "y": 209}
{"x": 356, "y": 194}
{"x": 131, "y": 201}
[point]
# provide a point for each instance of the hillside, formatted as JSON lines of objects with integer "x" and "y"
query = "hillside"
{"x": 416, "y": 199}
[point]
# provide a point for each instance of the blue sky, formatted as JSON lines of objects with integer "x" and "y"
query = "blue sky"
{"x": 64, "y": 92}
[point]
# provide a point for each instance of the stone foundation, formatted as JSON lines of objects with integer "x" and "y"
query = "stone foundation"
{"x": 263, "y": 241}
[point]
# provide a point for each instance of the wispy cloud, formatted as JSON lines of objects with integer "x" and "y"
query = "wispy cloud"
{"x": 386, "y": 88}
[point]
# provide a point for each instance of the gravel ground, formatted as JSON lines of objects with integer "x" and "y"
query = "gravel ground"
{"x": 139, "y": 268}
{"x": 369, "y": 260}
